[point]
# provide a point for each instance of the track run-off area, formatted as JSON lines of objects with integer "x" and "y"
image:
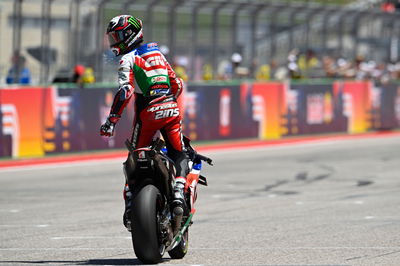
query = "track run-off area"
{"x": 327, "y": 202}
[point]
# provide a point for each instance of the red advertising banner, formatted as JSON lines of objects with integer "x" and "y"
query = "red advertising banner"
{"x": 356, "y": 103}
{"x": 25, "y": 111}
{"x": 269, "y": 107}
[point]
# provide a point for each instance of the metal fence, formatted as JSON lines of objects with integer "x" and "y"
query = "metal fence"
{"x": 200, "y": 32}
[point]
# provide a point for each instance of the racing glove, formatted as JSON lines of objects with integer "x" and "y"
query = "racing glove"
{"x": 107, "y": 129}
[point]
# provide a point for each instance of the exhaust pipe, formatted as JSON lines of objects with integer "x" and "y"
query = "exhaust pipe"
{"x": 177, "y": 220}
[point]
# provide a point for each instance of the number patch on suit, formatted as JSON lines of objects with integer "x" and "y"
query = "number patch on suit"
{"x": 166, "y": 113}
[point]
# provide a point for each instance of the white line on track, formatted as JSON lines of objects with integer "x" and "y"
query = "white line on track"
{"x": 25, "y": 225}
{"x": 42, "y": 225}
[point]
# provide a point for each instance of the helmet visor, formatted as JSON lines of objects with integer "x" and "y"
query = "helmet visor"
{"x": 115, "y": 37}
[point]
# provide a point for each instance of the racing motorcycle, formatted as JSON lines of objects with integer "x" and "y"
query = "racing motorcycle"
{"x": 156, "y": 229}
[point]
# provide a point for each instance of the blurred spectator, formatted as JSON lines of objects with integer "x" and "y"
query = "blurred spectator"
{"x": 292, "y": 65}
{"x": 236, "y": 59}
{"x": 345, "y": 68}
{"x": 88, "y": 76}
{"x": 264, "y": 72}
{"x": 224, "y": 70}
{"x": 180, "y": 66}
{"x": 388, "y": 6}
{"x": 281, "y": 73}
{"x": 18, "y": 72}
{"x": 79, "y": 70}
{"x": 207, "y": 72}
{"x": 181, "y": 72}
{"x": 242, "y": 72}
{"x": 309, "y": 65}
{"x": 79, "y": 75}
{"x": 394, "y": 70}
{"x": 299, "y": 66}
{"x": 362, "y": 67}
{"x": 307, "y": 62}
{"x": 329, "y": 66}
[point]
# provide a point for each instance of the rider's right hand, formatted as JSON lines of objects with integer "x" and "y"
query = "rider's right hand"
{"x": 107, "y": 129}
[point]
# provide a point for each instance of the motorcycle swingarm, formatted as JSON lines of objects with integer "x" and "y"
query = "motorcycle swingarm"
{"x": 178, "y": 236}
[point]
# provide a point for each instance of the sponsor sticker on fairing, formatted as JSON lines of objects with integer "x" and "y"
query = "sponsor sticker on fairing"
{"x": 142, "y": 155}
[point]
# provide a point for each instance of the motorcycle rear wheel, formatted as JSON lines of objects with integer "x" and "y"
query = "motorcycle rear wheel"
{"x": 145, "y": 228}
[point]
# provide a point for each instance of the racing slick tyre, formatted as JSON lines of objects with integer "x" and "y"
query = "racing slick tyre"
{"x": 181, "y": 249}
{"x": 145, "y": 228}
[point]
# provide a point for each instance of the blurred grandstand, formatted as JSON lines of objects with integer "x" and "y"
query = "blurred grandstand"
{"x": 273, "y": 39}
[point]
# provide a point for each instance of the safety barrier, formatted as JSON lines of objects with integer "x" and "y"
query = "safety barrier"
{"x": 35, "y": 121}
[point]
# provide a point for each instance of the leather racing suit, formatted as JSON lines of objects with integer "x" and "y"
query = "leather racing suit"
{"x": 146, "y": 74}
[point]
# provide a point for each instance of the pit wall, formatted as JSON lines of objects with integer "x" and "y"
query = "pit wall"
{"x": 36, "y": 121}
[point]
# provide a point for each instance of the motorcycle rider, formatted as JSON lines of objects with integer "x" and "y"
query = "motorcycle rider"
{"x": 145, "y": 73}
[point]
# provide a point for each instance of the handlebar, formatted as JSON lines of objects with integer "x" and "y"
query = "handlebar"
{"x": 204, "y": 158}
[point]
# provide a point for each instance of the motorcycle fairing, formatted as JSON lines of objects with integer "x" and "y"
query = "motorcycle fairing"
{"x": 145, "y": 166}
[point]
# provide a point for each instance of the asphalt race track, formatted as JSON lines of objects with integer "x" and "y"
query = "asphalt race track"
{"x": 328, "y": 203}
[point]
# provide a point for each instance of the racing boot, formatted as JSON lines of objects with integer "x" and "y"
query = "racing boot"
{"x": 128, "y": 207}
{"x": 179, "y": 207}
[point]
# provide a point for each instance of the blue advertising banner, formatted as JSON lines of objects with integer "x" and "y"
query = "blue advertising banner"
{"x": 219, "y": 112}
{"x": 80, "y": 114}
{"x": 318, "y": 109}
{"x": 385, "y": 113}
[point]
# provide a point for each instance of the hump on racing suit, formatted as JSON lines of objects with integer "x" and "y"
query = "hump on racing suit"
{"x": 146, "y": 72}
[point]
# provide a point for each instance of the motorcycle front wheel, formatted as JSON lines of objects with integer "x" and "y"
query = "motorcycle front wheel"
{"x": 145, "y": 228}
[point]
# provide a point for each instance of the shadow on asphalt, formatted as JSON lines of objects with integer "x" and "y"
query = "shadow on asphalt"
{"x": 83, "y": 262}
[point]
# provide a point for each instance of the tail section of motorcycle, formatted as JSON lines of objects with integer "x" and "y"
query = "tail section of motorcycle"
{"x": 150, "y": 176}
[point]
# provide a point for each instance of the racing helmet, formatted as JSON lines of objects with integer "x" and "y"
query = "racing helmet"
{"x": 124, "y": 34}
